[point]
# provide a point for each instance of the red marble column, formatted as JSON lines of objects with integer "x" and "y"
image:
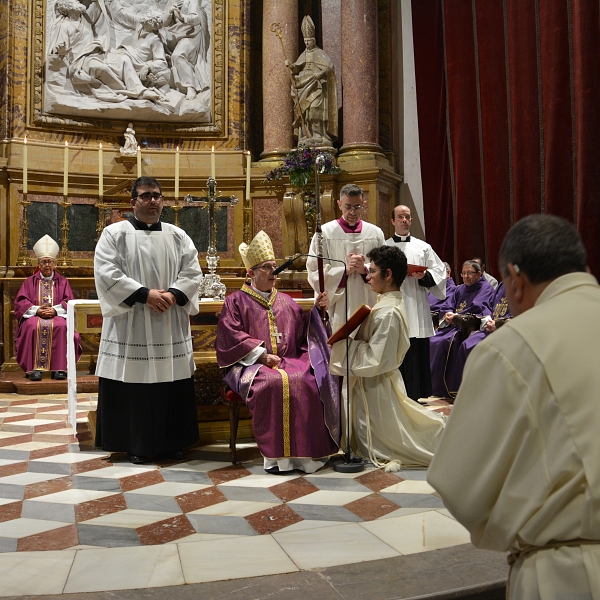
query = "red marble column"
{"x": 277, "y": 99}
{"x": 360, "y": 76}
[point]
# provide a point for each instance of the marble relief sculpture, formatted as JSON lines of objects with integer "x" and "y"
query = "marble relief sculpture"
{"x": 147, "y": 59}
{"x": 315, "y": 96}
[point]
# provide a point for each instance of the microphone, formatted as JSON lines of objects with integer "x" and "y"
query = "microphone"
{"x": 286, "y": 264}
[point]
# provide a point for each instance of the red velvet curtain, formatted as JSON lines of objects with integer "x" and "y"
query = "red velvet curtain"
{"x": 508, "y": 96}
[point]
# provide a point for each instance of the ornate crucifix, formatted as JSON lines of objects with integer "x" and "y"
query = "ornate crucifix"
{"x": 211, "y": 286}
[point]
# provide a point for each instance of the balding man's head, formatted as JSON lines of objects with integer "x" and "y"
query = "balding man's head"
{"x": 401, "y": 219}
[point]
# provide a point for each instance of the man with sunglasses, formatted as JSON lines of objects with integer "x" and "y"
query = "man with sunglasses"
{"x": 276, "y": 358}
{"x": 349, "y": 239}
{"x": 147, "y": 278}
{"x": 41, "y": 308}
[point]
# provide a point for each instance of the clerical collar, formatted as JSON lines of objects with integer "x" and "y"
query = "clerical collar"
{"x": 347, "y": 228}
{"x": 398, "y": 238}
{"x": 49, "y": 278}
{"x": 145, "y": 226}
{"x": 265, "y": 295}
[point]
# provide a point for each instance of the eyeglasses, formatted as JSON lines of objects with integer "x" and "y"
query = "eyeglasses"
{"x": 350, "y": 208}
{"x": 147, "y": 196}
{"x": 267, "y": 268}
{"x": 50, "y": 261}
{"x": 403, "y": 218}
{"x": 468, "y": 273}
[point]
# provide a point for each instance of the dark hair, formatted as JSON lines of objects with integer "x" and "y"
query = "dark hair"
{"x": 544, "y": 247}
{"x": 390, "y": 257}
{"x": 473, "y": 264}
{"x": 479, "y": 260}
{"x": 351, "y": 189}
{"x": 140, "y": 181}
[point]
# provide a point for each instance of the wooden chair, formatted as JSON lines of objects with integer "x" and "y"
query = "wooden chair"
{"x": 234, "y": 402}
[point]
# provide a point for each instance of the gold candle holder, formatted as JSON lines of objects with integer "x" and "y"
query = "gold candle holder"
{"x": 63, "y": 257}
{"x": 176, "y": 209}
{"x": 23, "y": 258}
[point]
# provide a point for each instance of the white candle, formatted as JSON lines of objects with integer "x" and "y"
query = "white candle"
{"x": 177, "y": 173}
{"x": 139, "y": 162}
{"x": 100, "y": 172}
{"x": 248, "y": 169}
{"x": 213, "y": 169}
{"x": 25, "y": 166}
{"x": 66, "y": 171}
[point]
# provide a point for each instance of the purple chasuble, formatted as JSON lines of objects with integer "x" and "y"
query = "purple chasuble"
{"x": 295, "y": 408}
{"x": 434, "y": 303}
{"x": 41, "y": 344}
{"x": 476, "y": 299}
{"x": 500, "y": 310}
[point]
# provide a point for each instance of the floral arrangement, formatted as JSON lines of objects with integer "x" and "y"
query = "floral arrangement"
{"x": 299, "y": 166}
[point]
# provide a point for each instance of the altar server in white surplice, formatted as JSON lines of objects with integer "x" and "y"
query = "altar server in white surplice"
{"x": 147, "y": 277}
{"x": 519, "y": 462}
{"x": 349, "y": 239}
{"x": 415, "y": 367}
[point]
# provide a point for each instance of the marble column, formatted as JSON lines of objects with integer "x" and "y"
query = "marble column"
{"x": 360, "y": 77}
{"x": 277, "y": 99}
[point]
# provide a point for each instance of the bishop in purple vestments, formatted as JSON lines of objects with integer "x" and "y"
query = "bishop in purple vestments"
{"x": 276, "y": 358}
{"x": 475, "y": 296}
{"x": 41, "y": 308}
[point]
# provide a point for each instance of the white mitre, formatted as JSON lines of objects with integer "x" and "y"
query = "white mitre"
{"x": 46, "y": 247}
{"x": 258, "y": 251}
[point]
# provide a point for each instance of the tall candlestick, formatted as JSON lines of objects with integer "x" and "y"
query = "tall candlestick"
{"x": 177, "y": 173}
{"x": 213, "y": 169}
{"x": 248, "y": 170}
{"x": 100, "y": 172}
{"x": 25, "y": 166}
{"x": 66, "y": 171}
{"x": 139, "y": 162}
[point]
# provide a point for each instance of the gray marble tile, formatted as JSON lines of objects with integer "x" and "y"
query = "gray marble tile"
{"x": 102, "y": 484}
{"x": 225, "y": 525}
{"x": 14, "y": 492}
{"x": 314, "y": 512}
{"x": 48, "y": 467}
{"x": 48, "y": 511}
{"x": 149, "y": 502}
{"x": 8, "y": 544}
{"x": 186, "y": 476}
{"x": 413, "y": 474}
{"x": 11, "y": 454}
{"x": 248, "y": 493}
{"x": 109, "y": 537}
{"x": 335, "y": 484}
{"x": 415, "y": 500}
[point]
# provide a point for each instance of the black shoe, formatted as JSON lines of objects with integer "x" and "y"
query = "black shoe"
{"x": 276, "y": 471}
{"x": 177, "y": 455}
{"x": 59, "y": 375}
{"x": 136, "y": 460}
{"x": 35, "y": 376}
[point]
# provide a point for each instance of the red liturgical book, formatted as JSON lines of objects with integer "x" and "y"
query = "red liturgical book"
{"x": 416, "y": 269}
{"x": 357, "y": 317}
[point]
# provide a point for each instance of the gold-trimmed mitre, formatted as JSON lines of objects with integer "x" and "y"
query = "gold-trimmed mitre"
{"x": 258, "y": 251}
{"x": 46, "y": 247}
{"x": 308, "y": 27}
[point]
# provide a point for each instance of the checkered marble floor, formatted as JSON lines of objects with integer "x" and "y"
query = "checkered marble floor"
{"x": 74, "y": 519}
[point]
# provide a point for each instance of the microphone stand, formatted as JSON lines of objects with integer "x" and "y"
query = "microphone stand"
{"x": 347, "y": 465}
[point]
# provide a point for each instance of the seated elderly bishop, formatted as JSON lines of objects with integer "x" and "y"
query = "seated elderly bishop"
{"x": 276, "y": 358}
{"x": 41, "y": 308}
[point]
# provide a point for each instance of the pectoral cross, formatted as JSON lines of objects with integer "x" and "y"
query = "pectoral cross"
{"x": 277, "y": 335}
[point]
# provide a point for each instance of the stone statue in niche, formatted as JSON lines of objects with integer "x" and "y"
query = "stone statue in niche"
{"x": 120, "y": 58}
{"x": 131, "y": 145}
{"x": 314, "y": 93}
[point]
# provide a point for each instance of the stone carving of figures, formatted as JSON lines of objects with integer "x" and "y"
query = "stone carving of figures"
{"x": 314, "y": 77}
{"x": 188, "y": 39}
{"x": 107, "y": 75}
{"x": 131, "y": 145}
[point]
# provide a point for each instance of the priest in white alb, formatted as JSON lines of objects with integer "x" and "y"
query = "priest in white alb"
{"x": 147, "y": 278}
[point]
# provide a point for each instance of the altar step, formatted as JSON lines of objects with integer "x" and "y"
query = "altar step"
{"x": 15, "y": 382}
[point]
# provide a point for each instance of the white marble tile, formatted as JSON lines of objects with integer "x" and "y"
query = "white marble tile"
{"x": 28, "y": 478}
{"x": 20, "y": 528}
{"x": 31, "y": 446}
{"x": 128, "y": 568}
{"x": 7, "y": 500}
{"x": 408, "y": 487}
{"x": 61, "y": 431}
{"x": 204, "y": 537}
{"x": 131, "y": 518}
{"x": 8, "y": 434}
{"x": 259, "y": 481}
{"x": 71, "y": 457}
{"x": 25, "y": 573}
{"x": 445, "y": 512}
{"x": 73, "y": 496}
{"x": 329, "y": 473}
{"x": 419, "y": 532}
{"x": 31, "y": 423}
{"x": 199, "y": 466}
{"x": 7, "y": 461}
{"x": 308, "y": 524}
{"x": 16, "y": 412}
{"x": 117, "y": 472}
{"x": 330, "y": 498}
{"x": 170, "y": 488}
{"x": 342, "y": 545}
{"x": 401, "y": 512}
{"x": 252, "y": 556}
{"x": 234, "y": 508}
